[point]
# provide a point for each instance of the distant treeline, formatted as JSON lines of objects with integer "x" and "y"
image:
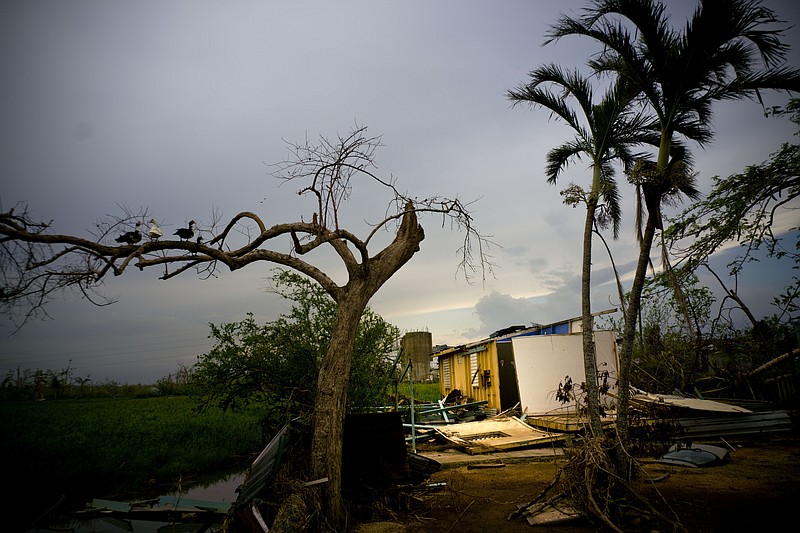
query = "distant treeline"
{"x": 27, "y": 384}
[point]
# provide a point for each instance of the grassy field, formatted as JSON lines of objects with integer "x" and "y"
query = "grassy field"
{"x": 79, "y": 449}
{"x": 423, "y": 392}
{"x": 101, "y": 448}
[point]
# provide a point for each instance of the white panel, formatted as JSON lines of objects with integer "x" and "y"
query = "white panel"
{"x": 473, "y": 369}
{"x": 605, "y": 346}
{"x": 543, "y": 361}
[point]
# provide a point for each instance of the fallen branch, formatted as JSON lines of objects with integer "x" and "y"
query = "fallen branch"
{"x": 459, "y": 516}
{"x": 774, "y": 362}
{"x": 521, "y": 511}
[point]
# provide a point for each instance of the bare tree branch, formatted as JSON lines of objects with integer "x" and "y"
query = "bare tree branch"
{"x": 37, "y": 263}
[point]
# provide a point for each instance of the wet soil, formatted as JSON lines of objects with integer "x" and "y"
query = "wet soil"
{"x": 756, "y": 489}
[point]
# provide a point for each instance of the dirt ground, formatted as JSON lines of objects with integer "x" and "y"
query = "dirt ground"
{"x": 757, "y": 489}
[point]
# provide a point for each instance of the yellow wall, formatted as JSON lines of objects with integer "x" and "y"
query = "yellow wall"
{"x": 461, "y": 375}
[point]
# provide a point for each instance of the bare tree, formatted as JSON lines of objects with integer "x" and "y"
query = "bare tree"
{"x": 37, "y": 264}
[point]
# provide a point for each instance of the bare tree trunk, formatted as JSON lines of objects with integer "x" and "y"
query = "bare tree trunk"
{"x": 690, "y": 323}
{"x": 329, "y": 408}
{"x": 334, "y": 375}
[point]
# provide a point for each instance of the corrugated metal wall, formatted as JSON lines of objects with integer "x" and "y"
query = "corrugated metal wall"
{"x": 474, "y": 372}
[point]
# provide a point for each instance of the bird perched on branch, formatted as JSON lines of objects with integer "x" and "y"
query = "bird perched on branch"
{"x": 131, "y": 237}
{"x": 186, "y": 233}
{"x": 154, "y": 232}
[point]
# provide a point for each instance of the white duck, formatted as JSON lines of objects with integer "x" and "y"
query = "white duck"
{"x": 154, "y": 232}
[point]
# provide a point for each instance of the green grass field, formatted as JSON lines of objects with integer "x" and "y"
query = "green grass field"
{"x": 98, "y": 448}
{"x": 87, "y": 448}
{"x": 423, "y": 392}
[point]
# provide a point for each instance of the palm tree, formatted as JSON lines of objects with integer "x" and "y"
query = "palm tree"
{"x": 728, "y": 50}
{"x": 655, "y": 187}
{"x": 607, "y": 132}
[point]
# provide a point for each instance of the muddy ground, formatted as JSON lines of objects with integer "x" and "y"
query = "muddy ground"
{"x": 757, "y": 489}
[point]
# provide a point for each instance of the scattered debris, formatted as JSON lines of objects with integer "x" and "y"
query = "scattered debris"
{"x": 496, "y": 434}
{"x": 265, "y": 466}
{"x": 564, "y": 422}
{"x": 554, "y": 511}
{"x": 551, "y": 514}
{"x": 668, "y": 400}
{"x": 735, "y": 424}
{"x": 379, "y": 474}
{"x": 170, "y": 509}
{"x": 694, "y": 455}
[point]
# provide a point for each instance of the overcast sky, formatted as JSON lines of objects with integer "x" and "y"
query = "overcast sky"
{"x": 181, "y": 107}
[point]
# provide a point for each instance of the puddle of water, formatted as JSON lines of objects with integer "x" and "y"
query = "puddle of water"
{"x": 223, "y": 490}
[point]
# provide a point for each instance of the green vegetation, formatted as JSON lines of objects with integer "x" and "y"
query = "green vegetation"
{"x": 423, "y": 392}
{"x": 664, "y": 361}
{"x": 100, "y": 448}
{"x": 101, "y": 439}
{"x": 118, "y": 441}
{"x": 65, "y": 385}
{"x": 276, "y": 365}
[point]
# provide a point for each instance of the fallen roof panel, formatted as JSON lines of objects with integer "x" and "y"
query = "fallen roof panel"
{"x": 495, "y": 434}
{"x": 687, "y": 403}
{"x": 736, "y": 424}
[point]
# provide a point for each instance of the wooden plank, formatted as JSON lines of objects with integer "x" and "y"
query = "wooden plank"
{"x": 496, "y": 434}
{"x": 667, "y": 400}
{"x": 481, "y": 466}
{"x": 552, "y": 516}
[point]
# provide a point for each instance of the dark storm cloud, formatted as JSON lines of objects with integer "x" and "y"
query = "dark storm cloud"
{"x": 181, "y": 107}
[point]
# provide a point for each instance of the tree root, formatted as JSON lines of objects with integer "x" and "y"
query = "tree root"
{"x": 300, "y": 511}
{"x": 589, "y": 482}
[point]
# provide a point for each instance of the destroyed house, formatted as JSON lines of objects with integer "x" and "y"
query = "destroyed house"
{"x": 523, "y": 365}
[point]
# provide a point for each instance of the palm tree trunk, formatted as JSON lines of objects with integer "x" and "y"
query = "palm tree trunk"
{"x": 589, "y": 355}
{"x": 626, "y": 351}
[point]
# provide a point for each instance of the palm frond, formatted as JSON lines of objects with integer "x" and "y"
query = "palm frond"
{"x": 551, "y": 88}
{"x": 559, "y": 158}
{"x": 716, "y": 56}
